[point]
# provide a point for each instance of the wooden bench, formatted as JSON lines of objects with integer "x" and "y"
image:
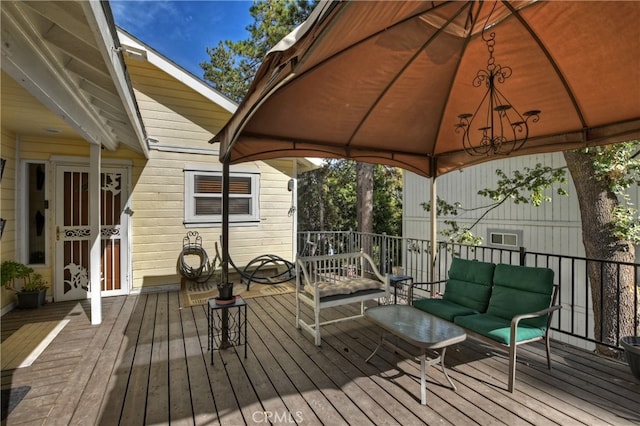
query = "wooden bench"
{"x": 334, "y": 280}
{"x": 504, "y": 305}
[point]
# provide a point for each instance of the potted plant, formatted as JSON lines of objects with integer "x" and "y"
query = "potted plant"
{"x": 631, "y": 345}
{"x": 225, "y": 289}
{"x": 33, "y": 290}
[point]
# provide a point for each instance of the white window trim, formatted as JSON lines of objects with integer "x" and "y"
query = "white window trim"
{"x": 503, "y": 233}
{"x": 190, "y": 219}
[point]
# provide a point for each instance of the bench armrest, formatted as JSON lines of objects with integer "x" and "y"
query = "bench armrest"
{"x": 384, "y": 278}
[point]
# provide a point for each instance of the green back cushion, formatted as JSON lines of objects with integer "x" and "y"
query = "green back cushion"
{"x": 469, "y": 283}
{"x": 520, "y": 290}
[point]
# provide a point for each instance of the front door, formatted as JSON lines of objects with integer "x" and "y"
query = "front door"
{"x": 72, "y": 232}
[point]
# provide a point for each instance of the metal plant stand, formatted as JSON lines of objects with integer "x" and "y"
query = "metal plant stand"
{"x": 227, "y": 325}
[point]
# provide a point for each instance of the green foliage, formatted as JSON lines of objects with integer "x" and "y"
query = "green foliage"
{"x": 34, "y": 284}
{"x": 233, "y": 64}
{"x": 11, "y": 271}
{"x": 524, "y": 187}
{"x": 460, "y": 235}
{"x": 527, "y": 187}
{"x": 327, "y": 198}
{"x": 327, "y": 195}
{"x": 619, "y": 166}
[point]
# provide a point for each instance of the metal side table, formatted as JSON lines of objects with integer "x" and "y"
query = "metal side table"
{"x": 399, "y": 290}
{"x": 227, "y": 325}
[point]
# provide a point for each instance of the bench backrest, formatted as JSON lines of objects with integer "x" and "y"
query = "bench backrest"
{"x": 337, "y": 267}
{"x": 469, "y": 283}
{"x": 519, "y": 290}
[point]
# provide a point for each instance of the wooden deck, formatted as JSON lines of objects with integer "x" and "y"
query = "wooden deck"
{"x": 148, "y": 363}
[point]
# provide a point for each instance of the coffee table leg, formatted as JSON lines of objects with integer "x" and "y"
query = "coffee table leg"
{"x": 376, "y": 349}
{"x": 444, "y": 370}
{"x": 423, "y": 379}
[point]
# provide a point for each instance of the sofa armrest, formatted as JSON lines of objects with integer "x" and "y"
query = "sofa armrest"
{"x": 516, "y": 320}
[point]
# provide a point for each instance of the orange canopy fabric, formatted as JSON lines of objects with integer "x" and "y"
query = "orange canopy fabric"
{"x": 384, "y": 82}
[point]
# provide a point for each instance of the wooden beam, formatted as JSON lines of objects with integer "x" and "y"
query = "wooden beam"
{"x": 30, "y": 61}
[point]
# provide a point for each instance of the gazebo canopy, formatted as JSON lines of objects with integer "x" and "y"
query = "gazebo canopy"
{"x": 385, "y": 82}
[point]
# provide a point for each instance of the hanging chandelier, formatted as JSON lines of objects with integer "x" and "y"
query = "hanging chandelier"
{"x": 502, "y": 128}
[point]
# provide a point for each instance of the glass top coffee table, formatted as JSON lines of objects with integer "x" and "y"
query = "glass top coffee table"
{"x": 420, "y": 329}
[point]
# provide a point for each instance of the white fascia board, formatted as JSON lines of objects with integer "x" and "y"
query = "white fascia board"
{"x": 114, "y": 61}
{"x": 175, "y": 71}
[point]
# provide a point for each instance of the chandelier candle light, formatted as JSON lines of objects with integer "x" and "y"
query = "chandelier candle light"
{"x": 503, "y": 128}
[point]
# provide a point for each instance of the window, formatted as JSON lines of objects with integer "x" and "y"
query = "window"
{"x": 36, "y": 208}
{"x": 203, "y": 197}
{"x": 505, "y": 238}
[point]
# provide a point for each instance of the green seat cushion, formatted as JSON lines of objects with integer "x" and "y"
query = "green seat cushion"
{"x": 469, "y": 284}
{"x": 520, "y": 290}
{"x": 497, "y": 328}
{"x": 443, "y": 308}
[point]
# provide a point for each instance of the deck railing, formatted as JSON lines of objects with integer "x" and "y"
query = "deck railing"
{"x": 574, "y": 324}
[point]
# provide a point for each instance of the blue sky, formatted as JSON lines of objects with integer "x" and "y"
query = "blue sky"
{"x": 182, "y": 30}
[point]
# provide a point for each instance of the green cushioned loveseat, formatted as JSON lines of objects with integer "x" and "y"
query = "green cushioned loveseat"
{"x": 505, "y": 305}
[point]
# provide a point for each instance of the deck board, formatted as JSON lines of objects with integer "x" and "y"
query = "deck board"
{"x": 201, "y": 382}
{"x": 181, "y": 412}
{"x": 88, "y": 407}
{"x": 148, "y": 363}
{"x": 266, "y": 364}
{"x": 157, "y": 398}
{"x": 317, "y": 400}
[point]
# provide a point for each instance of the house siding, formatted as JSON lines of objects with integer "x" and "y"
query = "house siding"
{"x": 552, "y": 227}
{"x": 179, "y": 119}
{"x": 157, "y": 201}
{"x": 158, "y": 219}
{"x": 174, "y": 115}
{"x": 7, "y": 206}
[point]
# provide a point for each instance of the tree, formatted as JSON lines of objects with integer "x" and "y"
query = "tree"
{"x": 328, "y": 198}
{"x": 233, "y": 64}
{"x": 610, "y": 224}
{"x": 364, "y": 188}
{"x": 610, "y": 228}
{"x": 387, "y": 200}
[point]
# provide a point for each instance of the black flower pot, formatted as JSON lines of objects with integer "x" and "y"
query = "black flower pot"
{"x": 29, "y": 299}
{"x": 631, "y": 345}
{"x": 225, "y": 292}
{"x": 42, "y": 297}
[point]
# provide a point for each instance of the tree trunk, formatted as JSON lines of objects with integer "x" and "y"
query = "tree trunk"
{"x": 612, "y": 286}
{"x": 364, "y": 184}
